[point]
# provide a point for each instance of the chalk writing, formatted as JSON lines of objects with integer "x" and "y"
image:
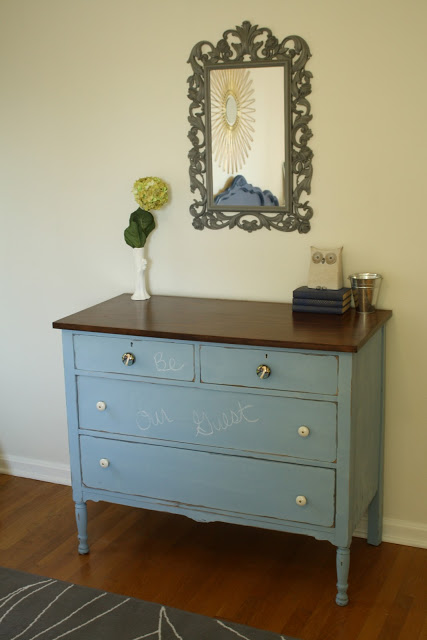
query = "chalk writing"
{"x": 165, "y": 365}
{"x": 145, "y": 420}
{"x": 206, "y": 425}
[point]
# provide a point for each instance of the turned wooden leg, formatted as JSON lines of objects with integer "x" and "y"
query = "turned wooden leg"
{"x": 81, "y": 519}
{"x": 343, "y": 565}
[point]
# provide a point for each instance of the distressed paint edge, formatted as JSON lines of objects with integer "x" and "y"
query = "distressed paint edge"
{"x": 405, "y": 532}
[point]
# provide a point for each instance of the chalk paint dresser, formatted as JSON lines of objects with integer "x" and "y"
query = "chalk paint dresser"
{"x": 226, "y": 410}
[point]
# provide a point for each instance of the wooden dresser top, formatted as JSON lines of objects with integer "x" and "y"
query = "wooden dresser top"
{"x": 269, "y": 324}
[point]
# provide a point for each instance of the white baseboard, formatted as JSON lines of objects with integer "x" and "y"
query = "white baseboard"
{"x": 412, "y": 534}
{"x": 35, "y": 469}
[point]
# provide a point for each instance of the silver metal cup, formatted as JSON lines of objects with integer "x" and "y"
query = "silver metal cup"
{"x": 365, "y": 288}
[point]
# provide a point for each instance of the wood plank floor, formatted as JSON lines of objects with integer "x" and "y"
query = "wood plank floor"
{"x": 270, "y": 580}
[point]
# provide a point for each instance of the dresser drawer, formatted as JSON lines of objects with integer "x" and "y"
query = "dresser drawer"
{"x": 290, "y": 371}
{"x": 154, "y": 359}
{"x": 207, "y": 418}
{"x": 210, "y": 481}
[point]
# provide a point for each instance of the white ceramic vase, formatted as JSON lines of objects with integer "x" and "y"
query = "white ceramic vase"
{"x": 140, "y": 266}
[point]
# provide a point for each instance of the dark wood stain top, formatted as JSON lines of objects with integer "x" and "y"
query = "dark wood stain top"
{"x": 270, "y": 324}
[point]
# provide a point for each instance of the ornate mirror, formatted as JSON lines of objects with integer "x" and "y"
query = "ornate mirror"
{"x": 249, "y": 116}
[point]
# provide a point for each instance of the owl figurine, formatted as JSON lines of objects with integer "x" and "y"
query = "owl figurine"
{"x": 325, "y": 269}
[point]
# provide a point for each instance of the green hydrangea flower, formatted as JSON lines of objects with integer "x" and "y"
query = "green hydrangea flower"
{"x": 150, "y": 193}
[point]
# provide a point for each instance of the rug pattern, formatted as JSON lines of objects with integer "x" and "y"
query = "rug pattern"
{"x": 32, "y": 607}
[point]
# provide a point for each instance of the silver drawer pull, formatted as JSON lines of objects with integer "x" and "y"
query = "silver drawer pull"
{"x": 303, "y": 431}
{"x": 301, "y": 501}
{"x": 128, "y": 359}
{"x": 263, "y": 371}
{"x": 104, "y": 463}
{"x": 101, "y": 406}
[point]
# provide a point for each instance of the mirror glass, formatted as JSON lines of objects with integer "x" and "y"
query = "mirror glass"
{"x": 231, "y": 110}
{"x": 250, "y": 163}
{"x": 247, "y": 135}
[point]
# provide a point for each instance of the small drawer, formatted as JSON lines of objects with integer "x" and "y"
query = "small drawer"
{"x": 171, "y": 360}
{"x": 206, "y": 418}
{"x": 290, "y": 370}
{"x": 209, "y": 481}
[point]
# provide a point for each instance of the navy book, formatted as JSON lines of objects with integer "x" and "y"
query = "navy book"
{"x": 310, "y": 302}
{"x": 331, "y": 310}
{"x": 323, "y": 294}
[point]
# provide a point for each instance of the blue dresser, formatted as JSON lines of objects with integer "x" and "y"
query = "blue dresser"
{"x": 224, "y": 410}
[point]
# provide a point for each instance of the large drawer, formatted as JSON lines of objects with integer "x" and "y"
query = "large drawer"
{"x": 290, "y": 371}
{"x": 210, "y": 481}
{"x": 209, "y": 418}
{"x": 171, "y": 360}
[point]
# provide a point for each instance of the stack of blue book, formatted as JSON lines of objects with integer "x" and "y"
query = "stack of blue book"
{"x": 333, "y": 301}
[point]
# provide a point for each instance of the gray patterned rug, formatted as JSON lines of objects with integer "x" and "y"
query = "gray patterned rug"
{"x": 34, "y": 607}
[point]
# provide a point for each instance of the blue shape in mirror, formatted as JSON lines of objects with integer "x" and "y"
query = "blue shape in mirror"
{"x": 241, "y": 193}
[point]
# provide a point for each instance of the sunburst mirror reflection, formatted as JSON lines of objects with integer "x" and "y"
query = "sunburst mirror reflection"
{"x": 232, "y": 117}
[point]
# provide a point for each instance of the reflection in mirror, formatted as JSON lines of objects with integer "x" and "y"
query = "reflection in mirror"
{"x": 247, "y": 133}
{"x": 249, "y": 114}
{"x": 231, "y": 105}
{"x": 231, "y": 110}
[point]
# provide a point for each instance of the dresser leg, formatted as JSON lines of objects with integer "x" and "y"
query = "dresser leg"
{"x": 81, "y": 519}
{"x": 375, "y": 520}
{"x": 375, "y": 509}
{"x": 343, "y": 566}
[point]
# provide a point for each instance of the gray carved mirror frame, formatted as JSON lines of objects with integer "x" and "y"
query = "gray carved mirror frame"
{"x": 249, "y": 46}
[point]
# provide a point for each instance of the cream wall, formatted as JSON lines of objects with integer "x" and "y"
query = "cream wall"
{"x": 94, "y": 96}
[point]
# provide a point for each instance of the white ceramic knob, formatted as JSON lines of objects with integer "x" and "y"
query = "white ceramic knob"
{"x": 101, "y": 406}
{"x": 301, "y": 501}
{"x": 104, "y": 463}
{"x": 303, "y": 431}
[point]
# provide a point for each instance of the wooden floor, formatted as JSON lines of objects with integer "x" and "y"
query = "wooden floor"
{"x": 276, "y": 581}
